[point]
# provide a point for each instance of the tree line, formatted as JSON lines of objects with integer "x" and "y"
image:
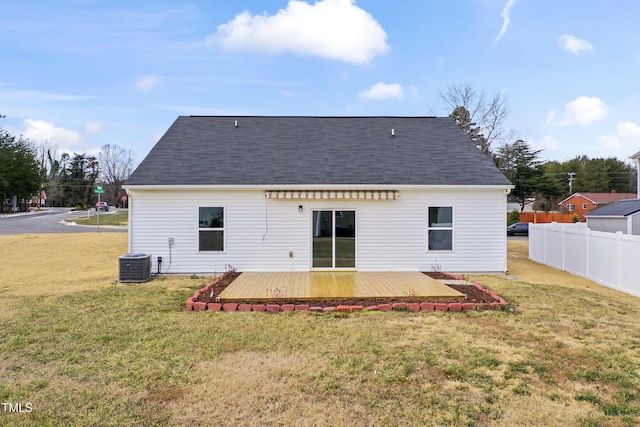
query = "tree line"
{"x": 482, "y": 117}
{"x": 31, "y": 171}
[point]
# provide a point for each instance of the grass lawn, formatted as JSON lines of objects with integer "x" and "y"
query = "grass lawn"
{"x": 82, "y": 349}
{"x": 120, "y": 218}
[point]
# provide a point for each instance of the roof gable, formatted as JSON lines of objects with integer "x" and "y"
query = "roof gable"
{"x": 248, "y": 150}
{"x": 598, "y": 198}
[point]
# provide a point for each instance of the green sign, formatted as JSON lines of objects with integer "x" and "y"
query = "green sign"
{"x": 99, "y": 190}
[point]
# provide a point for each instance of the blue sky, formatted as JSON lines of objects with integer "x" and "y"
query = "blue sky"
{"x": 81, "y": 74}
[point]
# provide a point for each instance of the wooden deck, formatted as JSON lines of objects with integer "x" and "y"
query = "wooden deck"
{"x": 334, "y": 285}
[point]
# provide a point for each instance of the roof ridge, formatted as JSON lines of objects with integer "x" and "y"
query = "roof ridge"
{"x": 317, "y": 117}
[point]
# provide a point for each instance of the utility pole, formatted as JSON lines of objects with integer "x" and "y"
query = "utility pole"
{"x": 571, "y": 175}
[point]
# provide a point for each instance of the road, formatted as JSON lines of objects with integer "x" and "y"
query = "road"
{"x": 48, "y": 222}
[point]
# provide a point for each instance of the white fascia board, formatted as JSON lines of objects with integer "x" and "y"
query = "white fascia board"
{"x": 317, "y": 187}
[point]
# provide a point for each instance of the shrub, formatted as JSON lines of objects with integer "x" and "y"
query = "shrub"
{"x": 514, "y": 216}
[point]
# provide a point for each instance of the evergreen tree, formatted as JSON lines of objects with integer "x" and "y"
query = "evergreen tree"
{"x": 521, "y": 165}
{"x": 19, "y": 171}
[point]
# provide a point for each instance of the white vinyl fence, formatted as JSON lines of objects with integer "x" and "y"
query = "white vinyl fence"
{"x": 611, "y": 259}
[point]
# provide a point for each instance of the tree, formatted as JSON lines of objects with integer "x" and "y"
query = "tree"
{"x": 598, "y": 175}
{"x": 479, "y": 115}
{"x": 116, "y": 164}
{"x": 77, "y": 178}
{"x": 462, "y": 117}
{"x": 593, "y": 177}
{"x": 19, "y": 171}
{"x": 520, "y": 164}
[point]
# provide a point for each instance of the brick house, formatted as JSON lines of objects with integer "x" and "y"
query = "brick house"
{"x": 581, "y": 203}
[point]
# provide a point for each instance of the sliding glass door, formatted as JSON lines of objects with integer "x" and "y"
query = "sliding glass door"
{"x": 334, "y": 239}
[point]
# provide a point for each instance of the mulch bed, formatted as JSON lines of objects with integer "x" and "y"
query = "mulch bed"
{"x": 472, "y": 295}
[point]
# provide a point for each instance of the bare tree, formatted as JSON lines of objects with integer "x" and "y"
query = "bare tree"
{"x": 481, "y": 116}
{"x": 116, "y": 164}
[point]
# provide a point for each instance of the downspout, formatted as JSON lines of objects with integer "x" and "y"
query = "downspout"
{"x": 507, "y": 191}
{"x": 130, "y": 223}
{"x": 638, "y": 176}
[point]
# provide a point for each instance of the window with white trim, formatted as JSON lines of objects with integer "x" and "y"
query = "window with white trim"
{"x": 211, "y": 229}
{"x": 440, "y": 228}
{"x": 584, "y": 206}
{"x": 571, "y": 207}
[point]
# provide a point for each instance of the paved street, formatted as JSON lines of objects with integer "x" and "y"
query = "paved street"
{"x": 49, "y": 221}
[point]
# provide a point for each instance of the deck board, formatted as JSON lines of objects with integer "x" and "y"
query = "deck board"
{"x": 264, "y": 286}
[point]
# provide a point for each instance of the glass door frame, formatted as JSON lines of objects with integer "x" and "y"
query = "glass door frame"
{"x": 334, "y": 254}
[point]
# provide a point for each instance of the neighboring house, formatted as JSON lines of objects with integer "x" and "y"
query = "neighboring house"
{"x": 621, "y": 216}
{"x": 317, "y": 193}
{"x": 581, "y": 203}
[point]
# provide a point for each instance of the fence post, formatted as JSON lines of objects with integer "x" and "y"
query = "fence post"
{"x": 587, "y": 238}
{"x": 544, "y": 245}
{"x": 619, "y": 259}
{"x": 562, "y": 246}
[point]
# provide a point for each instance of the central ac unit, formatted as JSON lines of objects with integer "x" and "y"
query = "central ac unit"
{"x": 135, "y": 268}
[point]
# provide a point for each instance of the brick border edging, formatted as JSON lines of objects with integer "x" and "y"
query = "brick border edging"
{"x": 193, "y": 305}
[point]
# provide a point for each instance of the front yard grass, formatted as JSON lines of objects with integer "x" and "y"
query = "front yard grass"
{"x": 119, "y": 218}
{"x": 85, "y": 350}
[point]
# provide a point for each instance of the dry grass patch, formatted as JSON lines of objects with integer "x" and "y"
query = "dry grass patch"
{"x": 252, "y": 388}
{"x": 57, "y": 264}
{"x": 46, "y": 264}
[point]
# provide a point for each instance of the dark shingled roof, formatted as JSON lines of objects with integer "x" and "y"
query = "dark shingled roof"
{"x": 263, "y": 151}
{"x": 621, "y": 208}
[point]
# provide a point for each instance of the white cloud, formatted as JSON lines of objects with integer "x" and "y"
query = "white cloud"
{"x": 93, "y": 127}
{"x": 153, "y": 139}
{"x": 147, "y": 82}
{"x": 39, "y": 130}
{"x": 573, "y": 44}
{"x": 505, "y": 15}
{"x": 628, "y": 130}
{"x": 383, "y": 91}
{"x": 611, "y": 142}
{"x": 336, "y": 29}
{"x": 581, "y": 111}
{"x": 547, "y": 143}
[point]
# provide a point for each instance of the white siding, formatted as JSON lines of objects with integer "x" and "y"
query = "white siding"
{"x": 610, "y": 225}
{"x": 635, "y": 224}
{"x": 260, "y": 233}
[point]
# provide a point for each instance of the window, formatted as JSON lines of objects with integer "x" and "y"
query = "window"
{"x": 440, "y": 228}
{"x": 584, "y": 206}
{"x": 571, "y": 207}
{"x": 211, "y": 229}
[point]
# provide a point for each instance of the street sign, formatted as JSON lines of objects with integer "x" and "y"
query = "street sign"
{"x": 99, "y": 190}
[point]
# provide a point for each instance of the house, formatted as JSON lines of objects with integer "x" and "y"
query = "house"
{"x": 621, "y": 216}
{"x": 314, "y": 193}
{"x": 581, "y": 203}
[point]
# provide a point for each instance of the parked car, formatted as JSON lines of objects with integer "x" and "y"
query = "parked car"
{"x": 519, "y": 228}
{"x": 103, "y": 206}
